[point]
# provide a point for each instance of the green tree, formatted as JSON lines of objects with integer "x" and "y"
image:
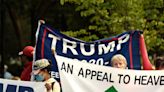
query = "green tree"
{"x": 154, "y": 26}
{"x": 111, "y": 17}
{"x": 108, "y": 18}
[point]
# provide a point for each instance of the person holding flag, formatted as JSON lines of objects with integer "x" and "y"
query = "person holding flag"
{"x": 119, "y": 61}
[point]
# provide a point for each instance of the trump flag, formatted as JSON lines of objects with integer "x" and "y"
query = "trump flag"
{"x": 99, "y": 52}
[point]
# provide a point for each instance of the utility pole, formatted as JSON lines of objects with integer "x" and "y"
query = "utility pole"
{"x": 2, "y": 17}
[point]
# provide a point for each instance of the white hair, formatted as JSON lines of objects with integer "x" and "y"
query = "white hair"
{"x": 118, "y": 57}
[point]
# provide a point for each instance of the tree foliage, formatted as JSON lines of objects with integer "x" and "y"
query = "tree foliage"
{"x": 111, "y": 17}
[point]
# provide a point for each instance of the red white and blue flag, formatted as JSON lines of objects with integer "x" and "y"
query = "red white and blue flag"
{"x": 96, "y": 52}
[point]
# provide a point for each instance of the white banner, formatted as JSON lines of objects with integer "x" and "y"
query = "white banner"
{"x": 85, "y": 77}
{"x": 21, "y": 86}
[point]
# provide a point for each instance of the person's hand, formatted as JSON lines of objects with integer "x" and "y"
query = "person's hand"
{"x": 48, "y": 86}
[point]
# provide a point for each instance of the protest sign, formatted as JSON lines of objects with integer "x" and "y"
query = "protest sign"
{"x": 21, "y": 86}
{"x": 85, "y": 77}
